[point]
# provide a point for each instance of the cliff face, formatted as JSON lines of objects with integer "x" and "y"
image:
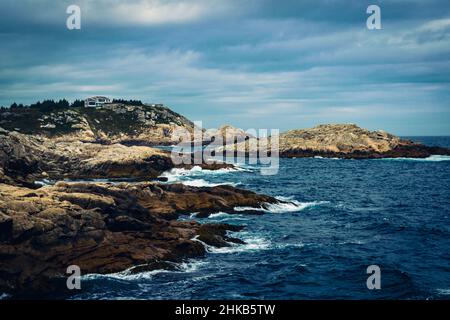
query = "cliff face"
{"x": 112, "y": 123}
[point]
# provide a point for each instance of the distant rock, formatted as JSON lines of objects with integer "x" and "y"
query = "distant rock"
{"x": 340, "y": 141}
{"x": 350, "y": 141}
{"x": 227, "y": 133}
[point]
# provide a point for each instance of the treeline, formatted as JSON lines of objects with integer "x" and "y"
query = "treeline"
{"x": 46, "y": 105}
{"x": 129, "y": 102}
{"x": 52, "y": 105}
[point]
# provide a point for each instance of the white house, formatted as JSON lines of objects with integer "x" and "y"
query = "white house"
{"x": 95, "y": 102}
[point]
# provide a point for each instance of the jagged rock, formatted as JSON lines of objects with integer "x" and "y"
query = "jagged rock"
{"x": 25, "y": 159}
{"x": 105, "y": 228}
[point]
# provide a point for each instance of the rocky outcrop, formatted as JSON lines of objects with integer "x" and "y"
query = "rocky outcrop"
{"x": 351, "y": 141}
{"x": 113, "y": 123}
{"x": 25, "y": 159}
{"x": 105, "y": 228}
{"x": 339, "y": 141}
{"x": 226, "y": 134}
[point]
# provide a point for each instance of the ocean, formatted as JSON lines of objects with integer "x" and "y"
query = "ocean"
{"x": 344, "y": 216}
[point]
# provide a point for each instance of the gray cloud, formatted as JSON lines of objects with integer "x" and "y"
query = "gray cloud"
{"x": 264, "y": 63}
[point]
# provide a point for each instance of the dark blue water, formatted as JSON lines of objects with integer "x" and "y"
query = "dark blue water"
{"x": 349, "y": 214}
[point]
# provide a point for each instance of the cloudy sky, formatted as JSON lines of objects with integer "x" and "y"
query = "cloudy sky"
{"x": 254, "y": 64}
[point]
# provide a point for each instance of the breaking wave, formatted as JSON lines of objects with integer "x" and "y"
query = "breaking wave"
{"x": 197, "y": 170}
{"x": 203, "y": 183}
{"x": 283, "y": 207}
{"x": 184, "y": 267}
{"x": 4, "y": 296}
{"x": 224, "y": 215}
{"x": 443, "y": 292}
{"x": 191, "y": 177}
{"x": 252, "y": 243}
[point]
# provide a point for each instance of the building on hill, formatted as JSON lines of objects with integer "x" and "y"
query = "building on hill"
{"x": 96, "y": 102}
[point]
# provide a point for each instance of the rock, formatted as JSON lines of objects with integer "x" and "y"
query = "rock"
{"x": 341, "y": 141}
{"x": 216, "y": 234}
{"x": 105, "y": 228}
{"x": 227, "y": 134}
{"x": 350, "y": 141}
{"x": 25, "y": 159}
{"x": 135, "y": 124}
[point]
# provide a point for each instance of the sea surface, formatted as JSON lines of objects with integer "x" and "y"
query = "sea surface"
{"x": 344, "y": 215}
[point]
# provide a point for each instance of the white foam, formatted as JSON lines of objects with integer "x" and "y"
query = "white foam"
{"x": 44, "y": 182}
{"x": 199, "y": 170}
{"x": 220, "y": 216}
{"x": 4, "y": 296}
{"x": 191, "y": 177}
{"x": 190, "y": 266}
{"x": 283, "y": 207}
{"x": 193, "y": 215}
{"x": 289, "y": 245}
{"x": 433, "y": 158}
{"x": 204, "y": 183}
{"x": 252, "y": 243}
{"x": 444, "y": 292}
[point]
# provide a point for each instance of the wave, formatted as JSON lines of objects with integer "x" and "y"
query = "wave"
{"x": 289, "y": 245}
{"x": 196, "y": 170}
{"x": 203, "y": 183}
{"x": 4, "y": 296}
{"x": 433, "y": 158}
{"x": 187, "y": 176}
{"x": 327, "y": 158}
{"x": 224, "y": 215}
{"x": 184, "y": 267}
{"x": 44, "y": 182}
{"x": 444, "y": 292}
{"x": 283, "y": 207}
{"x": 252, "y": 243}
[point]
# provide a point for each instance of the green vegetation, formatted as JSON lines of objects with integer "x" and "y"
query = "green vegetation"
{"x": 128, "y": 102}
{"x": 52, "y": 118}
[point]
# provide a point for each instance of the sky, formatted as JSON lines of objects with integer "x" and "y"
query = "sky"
{"x": 279, "y": 64}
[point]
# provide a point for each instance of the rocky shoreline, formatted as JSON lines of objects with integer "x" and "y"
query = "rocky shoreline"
{"x": 108, "y": 227}
{"x": 101, "y": 227}
{"x": 413, "y": 151}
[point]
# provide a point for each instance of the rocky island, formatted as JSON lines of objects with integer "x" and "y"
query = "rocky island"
{"x": 351, "y": 141}
{"x": 347, "y": 141}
